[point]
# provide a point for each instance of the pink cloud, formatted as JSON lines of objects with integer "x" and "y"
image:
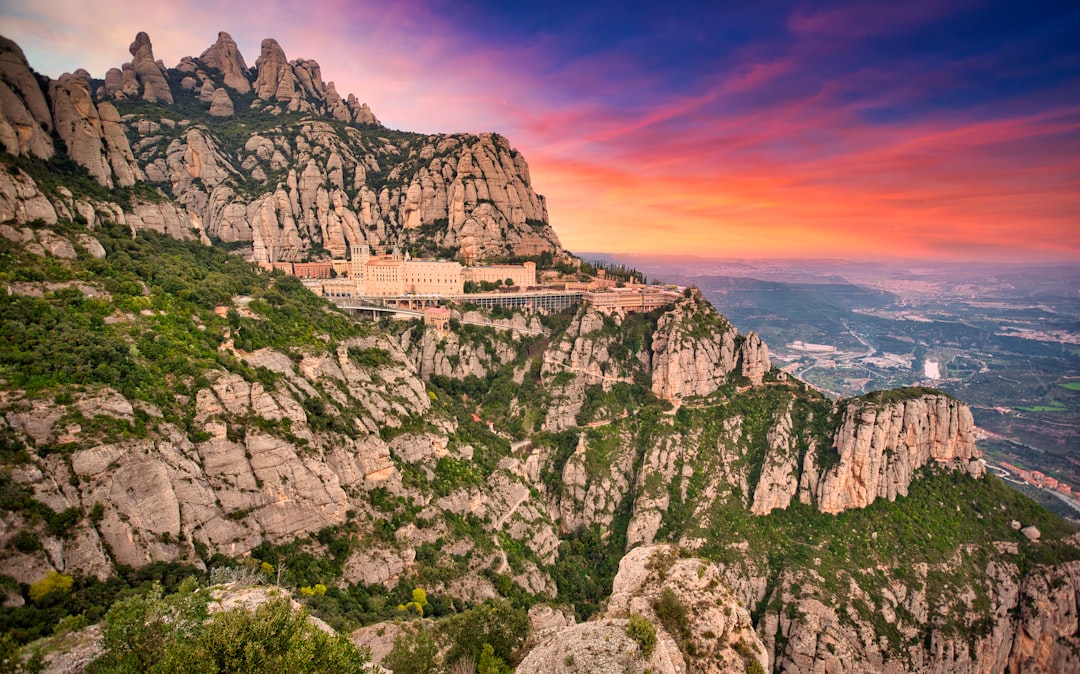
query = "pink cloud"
{"x": 1001, "y": 183}
{"x": 743, "y": 165}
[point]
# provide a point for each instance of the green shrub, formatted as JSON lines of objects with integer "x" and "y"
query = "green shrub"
{"x": 498, "y": 624}
{"x": 54, "y": 582}
{"x": 26, "y": 541}
{"x": 151, "y": 632}
{"x": 414, "y": 652}
{"x": 372, "y": 357}
{"x": 419, "y": 602}
{"x": 642, "y": 631}
{"x": 491, "y": 663}
{"x": 673, "y": 616}
{"x": 273, "y": 638}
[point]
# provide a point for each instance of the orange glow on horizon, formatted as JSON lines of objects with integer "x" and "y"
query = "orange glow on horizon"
{"x": 930, "y": 192}
{"x": 774, "y": 149}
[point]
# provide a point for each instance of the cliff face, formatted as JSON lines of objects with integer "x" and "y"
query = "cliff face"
{"x": 930, "y": 633}
{"x": 654, "y": 584}
{"x": 695, "y": 350}
{"x": 882, "y": 445}
{"x": 582, "y": 357}
{"x": 481, "y": 351}
{"x": 232, "y": 487}
{"x": 92, "y": 134}
{"x": 25, "y": 121}
{"x": 874, "y": 453}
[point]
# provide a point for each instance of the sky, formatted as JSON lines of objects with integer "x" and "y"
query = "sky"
{"x": 926, "y": 129}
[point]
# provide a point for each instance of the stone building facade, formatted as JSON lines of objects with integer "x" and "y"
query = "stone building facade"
{"x": 394, "y": 274}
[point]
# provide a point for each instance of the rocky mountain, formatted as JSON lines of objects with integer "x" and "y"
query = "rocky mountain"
{"x": 684, "y": 597}
{"x": 273, "y": 159}
{"x": 656, "y": 493}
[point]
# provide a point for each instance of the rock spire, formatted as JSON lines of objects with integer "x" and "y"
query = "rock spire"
{"x": 226, "y": 57}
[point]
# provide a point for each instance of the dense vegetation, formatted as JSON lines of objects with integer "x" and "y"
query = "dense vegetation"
{"x": 151, "y": 331}
{"x": 151, "y": 632}
{"x": 143, "y": 321}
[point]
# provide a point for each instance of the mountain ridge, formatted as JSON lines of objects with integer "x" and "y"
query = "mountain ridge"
{"x": 285, "y": 165}
{"x": 165, "y": 403}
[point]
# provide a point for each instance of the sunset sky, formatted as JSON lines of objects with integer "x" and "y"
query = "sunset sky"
{"x": 938, "y": 129}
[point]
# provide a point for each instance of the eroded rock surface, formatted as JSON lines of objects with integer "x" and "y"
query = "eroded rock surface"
{"x": 882, "y": 445}
{"x": 650, "y": 577}
{"x": 693, "y": 351}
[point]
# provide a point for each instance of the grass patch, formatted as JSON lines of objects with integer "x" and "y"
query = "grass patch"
{"x": 1056, "y": 407}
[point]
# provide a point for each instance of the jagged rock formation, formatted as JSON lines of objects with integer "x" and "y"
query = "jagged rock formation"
{"x": 878, "y": 448}
{"x": 1049, "y": 608}
{"x": 21, "y": 201}
{"x": 144, "y": 74}
{"x": 92, "y": 135}
{"x": 297, "y": 86}
{"x": 164, "y": 495}
{"x": 881, "y": 447}
{"x": 286, "y": 187}
{"x": 655, "y": 583}
{"x": 779, "y": 481}
{"x": 592, "y": 493}
{"x": 695, "y": 350}
{"x": 226, "y": 57}
{"x": 581, "y": 358}
{"x": 25, "y": 121}
{"x": 458, "y": 355}
{"x": 1031, "y": 616}
{"x": 754, "y": 361}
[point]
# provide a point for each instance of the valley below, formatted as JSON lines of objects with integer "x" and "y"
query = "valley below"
{"x": 1004, "y": 338}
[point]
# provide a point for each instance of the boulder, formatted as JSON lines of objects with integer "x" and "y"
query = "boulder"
{"x": 221, "y": 105}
